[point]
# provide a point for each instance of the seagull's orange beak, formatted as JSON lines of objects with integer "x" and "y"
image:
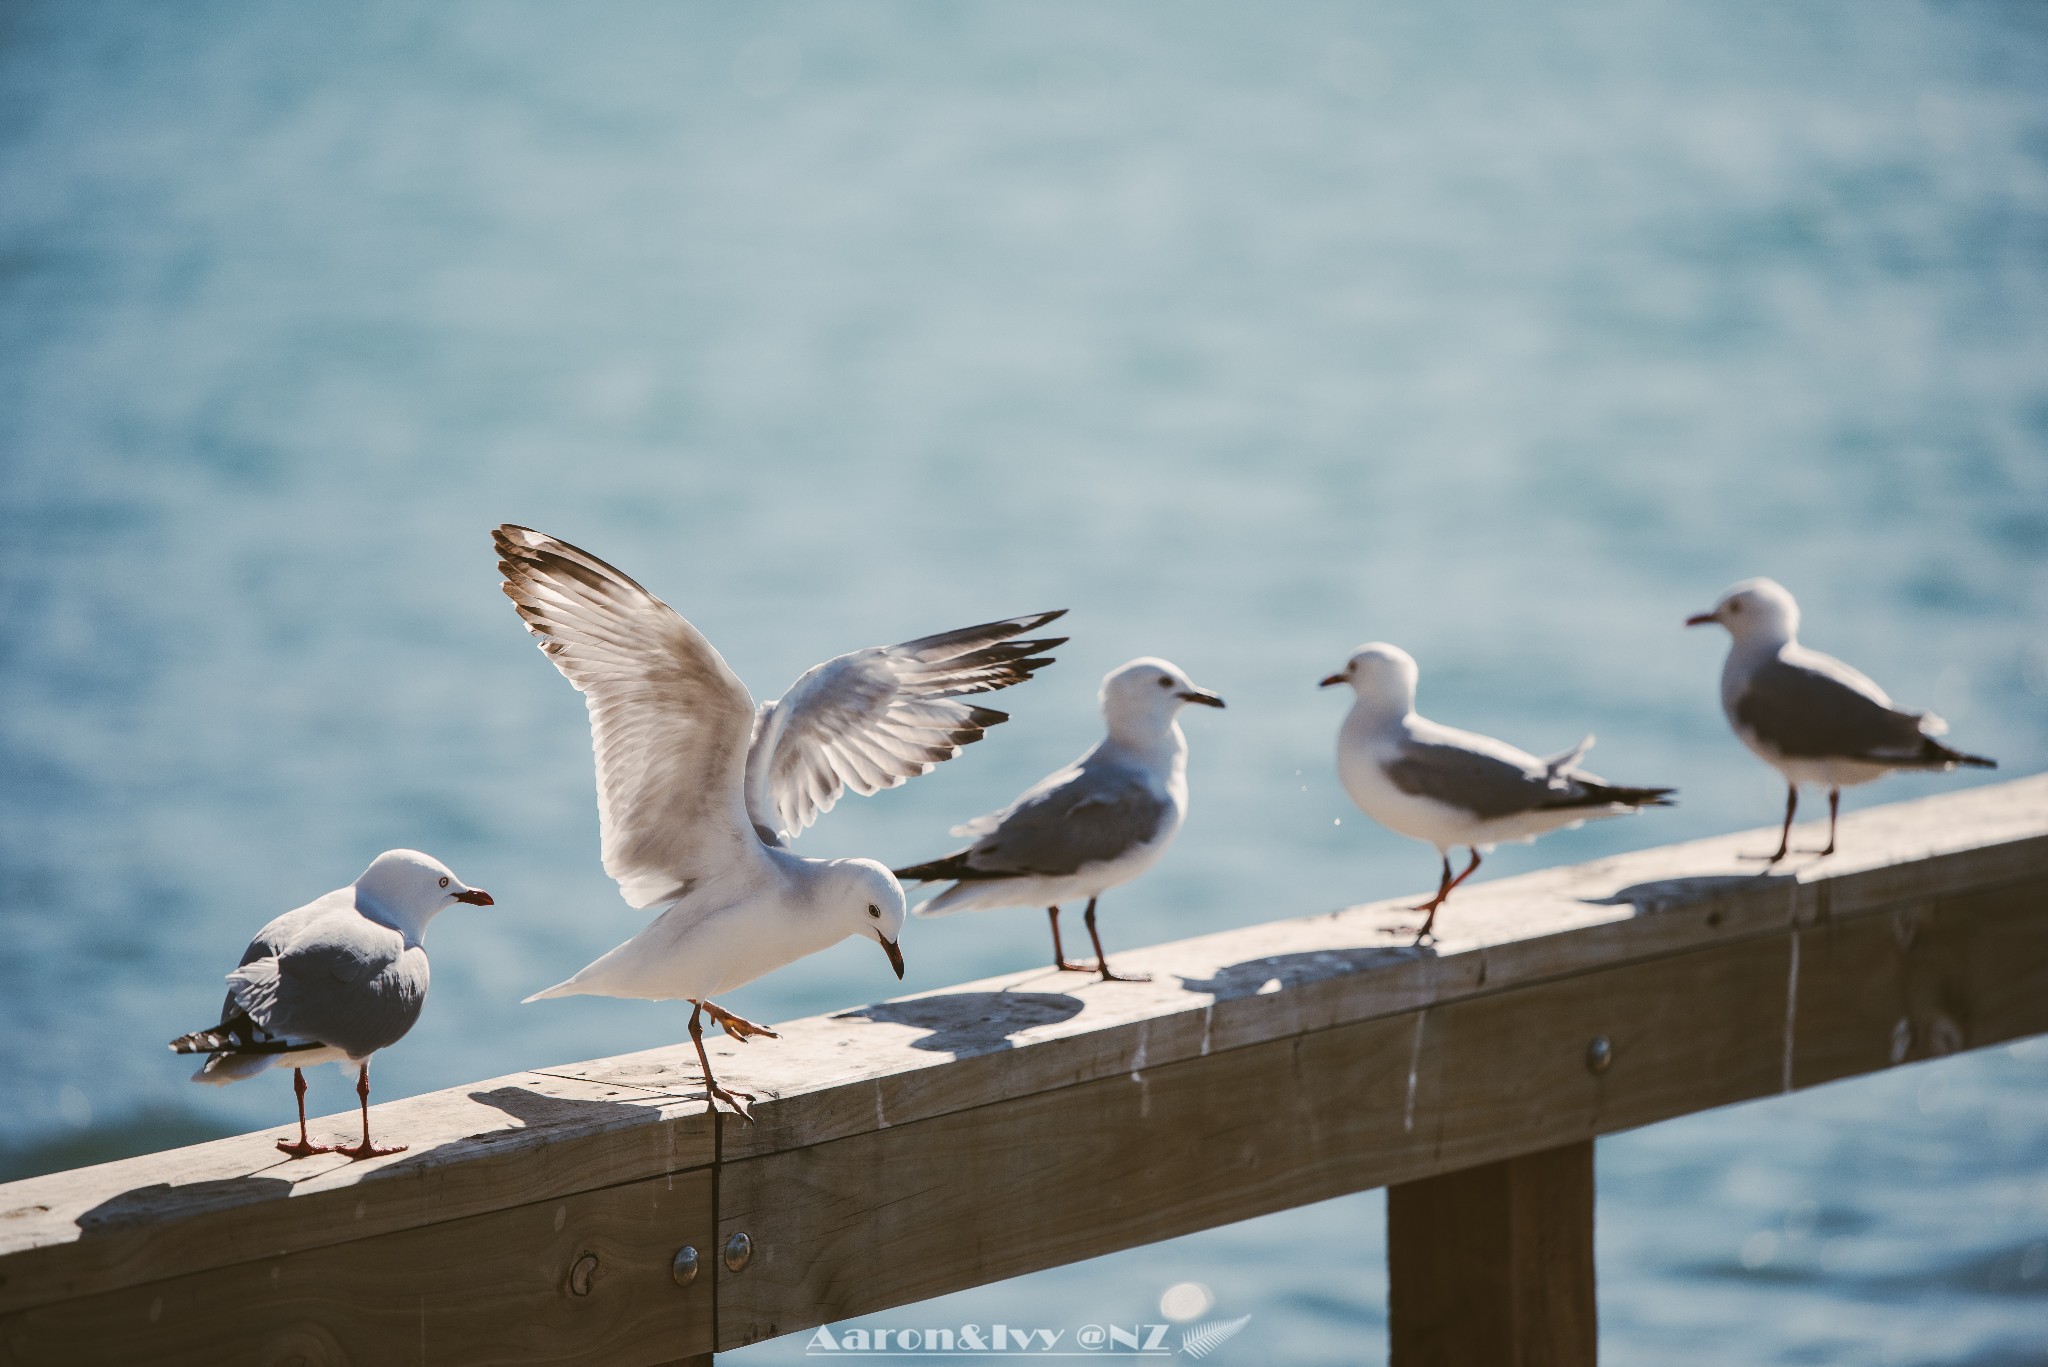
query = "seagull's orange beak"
{"x": 1701, "y": 619}
{"x": 1332, "y": 680}
{"x": 890, "y": 948}
{"x": 476, "y": 897}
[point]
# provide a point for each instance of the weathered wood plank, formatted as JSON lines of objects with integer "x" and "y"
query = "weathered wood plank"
{"x": 873, "y": 1220}
{"x": 501, "y": 1143}
{"x": 1495, "y": 1264}
{"x": 587, "y": 1278}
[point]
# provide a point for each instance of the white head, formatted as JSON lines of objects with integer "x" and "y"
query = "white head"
{"x": 864, "y": 897}
{"x": 1382, "y": 676}
{"x": 1754, "y": 610}
{"x": 405, "y": 889}
{"x": 1141, "y": 699}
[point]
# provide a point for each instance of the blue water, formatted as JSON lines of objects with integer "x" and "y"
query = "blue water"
{"x": 1508, "y": 333}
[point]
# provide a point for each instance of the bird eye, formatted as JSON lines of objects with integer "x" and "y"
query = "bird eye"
{"x": 1165, "y": 682}
{"x": 1735, "y": 606}
{"x": 874, "y": 911}
{"x": 444, "y": 882}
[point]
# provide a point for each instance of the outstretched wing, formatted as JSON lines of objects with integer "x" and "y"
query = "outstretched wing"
{"x": 669, "y": 721}
{"x": 870, "y": 719}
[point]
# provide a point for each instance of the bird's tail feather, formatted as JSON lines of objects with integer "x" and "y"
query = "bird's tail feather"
{"x": 959, "y": 897}
{"x": 233, "y": 1066}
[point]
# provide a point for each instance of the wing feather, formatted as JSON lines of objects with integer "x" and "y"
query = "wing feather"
{"x": 872, "y": 718}
{"x": 669, "y": 721}
{"x": 326, "y": 974}
{"x": 1085, "y": 814}
{"x": 1809, "y": 705}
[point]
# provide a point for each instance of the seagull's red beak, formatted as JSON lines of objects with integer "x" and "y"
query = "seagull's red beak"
{"x": 476, "y": 897}
{"x": 889, "y": 947}
{"x": 1701, "y": 619}
{"x": 1333, "y": 679}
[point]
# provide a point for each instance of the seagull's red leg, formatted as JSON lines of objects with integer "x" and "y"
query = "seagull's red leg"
{"x": 1442, "y": 894}
{"x": 1444, "y": 884}
{"x": 305, "y": 1146}
{"x": 366, "y": 1149}
{"x": 1443, "y": 889}
{"x": 713, "y": 1093}
{"x": 1059, "y": 955}
{"x": 1785, "y": 836}
{"x": 1101, "y": 963}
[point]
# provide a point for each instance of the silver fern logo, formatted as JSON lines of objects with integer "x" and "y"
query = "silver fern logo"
{"x": 1200, "y": 1340}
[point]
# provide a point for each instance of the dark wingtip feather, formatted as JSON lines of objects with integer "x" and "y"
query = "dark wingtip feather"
{"x": 1934, "y": 751}
{"x": 551, "y": 554}
{"x": 981, "y": 636}
{"x": 1605, "y": 794}
{"x": 936, "y": 870}
{"x": 234, "y": 1033}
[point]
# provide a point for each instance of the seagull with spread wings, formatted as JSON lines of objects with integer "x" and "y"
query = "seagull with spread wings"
{"x": 1808, "y": 715}
{"x": 699, "y": 793}
{"x": 1449, "y": 787}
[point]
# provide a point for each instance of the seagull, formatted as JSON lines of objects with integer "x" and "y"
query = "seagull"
{"x": 1094, "y": 825}
{"x": 1808, "y": 715}
{"x": 699, "y": 793}
{"x": 333, "y": 982}
{"x": 1450, "y": 787}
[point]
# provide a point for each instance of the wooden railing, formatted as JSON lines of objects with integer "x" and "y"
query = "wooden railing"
{"x": 939, "y": 1142}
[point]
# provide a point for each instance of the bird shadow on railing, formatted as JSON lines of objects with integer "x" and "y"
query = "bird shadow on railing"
{"x": 1671, "y": 894}
{"x": 964, "y": 1024}
{"x": 1275, "y": 972}
{"x": 538, "y": 1111}
{"x": 160, "y": 1198}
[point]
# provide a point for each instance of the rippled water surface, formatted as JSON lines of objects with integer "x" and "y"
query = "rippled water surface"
{"x": 1508, "y": 333}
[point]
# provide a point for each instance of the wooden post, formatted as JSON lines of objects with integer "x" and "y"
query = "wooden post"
{"x": 1494, "y": 1264}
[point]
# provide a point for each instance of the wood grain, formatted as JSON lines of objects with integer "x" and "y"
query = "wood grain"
{"x": 583, "y": 1279}
{"x": 1495, "y": 1264}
